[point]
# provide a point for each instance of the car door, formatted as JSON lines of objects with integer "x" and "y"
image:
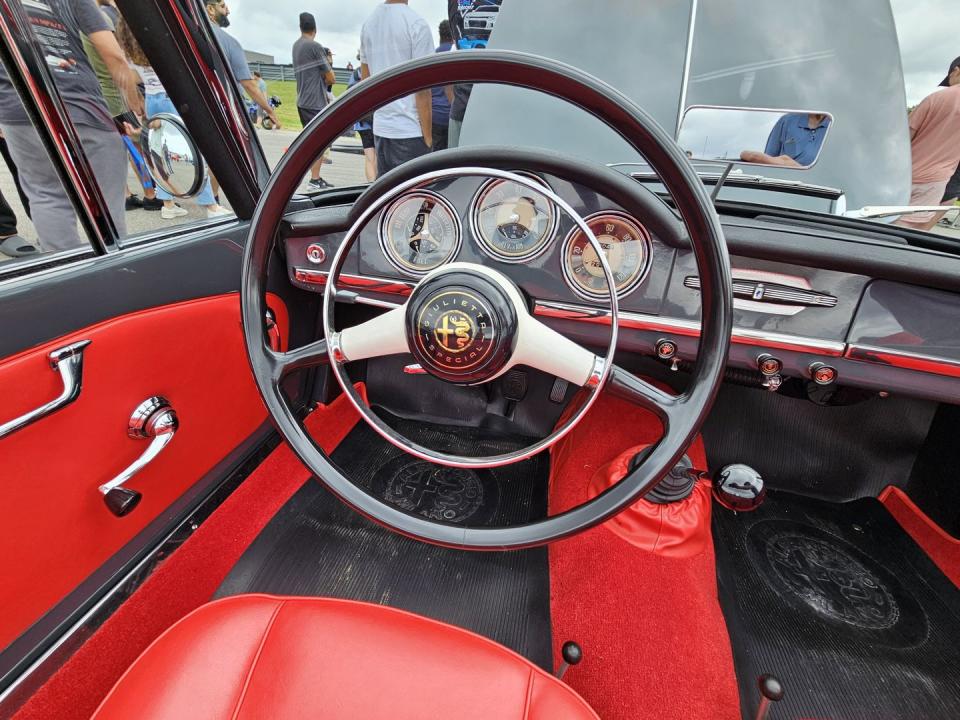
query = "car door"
{"x": 122, "y": 351}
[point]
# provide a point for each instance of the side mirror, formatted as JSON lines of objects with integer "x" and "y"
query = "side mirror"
{"x": 172, "y": 156}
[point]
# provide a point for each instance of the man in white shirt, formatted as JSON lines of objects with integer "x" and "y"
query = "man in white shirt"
{"x": 403, "y": 129}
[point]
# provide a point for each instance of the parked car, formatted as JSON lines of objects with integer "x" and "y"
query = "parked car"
{"x": 633, "y": 404}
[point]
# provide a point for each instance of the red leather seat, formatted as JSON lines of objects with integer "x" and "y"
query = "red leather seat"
{"x": 259, "y": 656}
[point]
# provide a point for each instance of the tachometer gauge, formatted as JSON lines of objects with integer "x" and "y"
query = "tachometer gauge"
{"x": 419, "y": 231}
{"x": 626, "y": 244}
{"x": 511, "y": 222}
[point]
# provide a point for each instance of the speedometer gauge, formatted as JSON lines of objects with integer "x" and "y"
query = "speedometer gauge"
{"x": 626, "y": 244}
{"x": 511, "y": 222}
{"x": 419, "y": 232}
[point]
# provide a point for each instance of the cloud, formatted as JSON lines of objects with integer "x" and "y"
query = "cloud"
{"x": 928, "y": 40}
{"x": 272, "y": 27}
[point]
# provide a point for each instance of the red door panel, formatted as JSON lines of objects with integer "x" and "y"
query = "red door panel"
{"x": 57, "y": 529}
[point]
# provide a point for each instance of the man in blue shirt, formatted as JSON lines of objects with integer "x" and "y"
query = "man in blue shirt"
{"x": 793, "y": 142}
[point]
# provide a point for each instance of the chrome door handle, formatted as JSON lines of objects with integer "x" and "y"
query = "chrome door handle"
{"x": 69, "y": 361}
{"x": 153, "y": 418}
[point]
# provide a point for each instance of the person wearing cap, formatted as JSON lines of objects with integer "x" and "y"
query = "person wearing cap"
{"x": 219, "y": 15}
{"x": 934, "y": 148}
{"x": 313, "y": 70}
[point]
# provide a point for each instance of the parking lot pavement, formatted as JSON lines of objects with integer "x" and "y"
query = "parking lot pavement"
{"x": 346, "y": 169}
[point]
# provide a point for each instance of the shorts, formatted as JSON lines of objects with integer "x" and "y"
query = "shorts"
{"x": 366, "y": 138}
{"x": 924, "y": 194}
{"x": 393, "y": 152}
{"x": 306, "y": 114}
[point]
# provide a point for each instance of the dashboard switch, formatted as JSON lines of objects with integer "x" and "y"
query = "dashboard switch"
{"x": 822, "y": 374}
{"x": 770, "y": 368}
{"x": 768, "y": 365}
{"x": 667, "y": 350}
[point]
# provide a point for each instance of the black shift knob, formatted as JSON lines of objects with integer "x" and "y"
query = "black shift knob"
{"x": 571, "y": 653}
{"x": 739, "y": 487}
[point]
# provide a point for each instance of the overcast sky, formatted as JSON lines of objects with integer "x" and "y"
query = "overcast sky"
{"x": 927, "y": 29}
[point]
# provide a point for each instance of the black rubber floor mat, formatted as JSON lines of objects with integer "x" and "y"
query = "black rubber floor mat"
{"x": 839, "y": 603}
{"x": 317, "y": 546}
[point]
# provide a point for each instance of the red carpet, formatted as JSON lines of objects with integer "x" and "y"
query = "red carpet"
{"x": 654, "y": 639}
{"x": 942, "y": 548}
{"x": 185, "y": 580}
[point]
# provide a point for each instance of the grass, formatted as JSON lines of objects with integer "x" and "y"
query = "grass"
{"x": 287, "y": 92}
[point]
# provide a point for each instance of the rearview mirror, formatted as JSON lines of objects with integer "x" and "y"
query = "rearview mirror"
{"x": 752, "y": 136}
{"x": 172, "y": 156}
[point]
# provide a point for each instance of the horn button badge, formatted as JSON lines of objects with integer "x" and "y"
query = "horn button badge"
{"x": 461, "y": 328}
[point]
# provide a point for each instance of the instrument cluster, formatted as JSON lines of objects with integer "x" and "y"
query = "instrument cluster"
{"x": 421, "y": 230}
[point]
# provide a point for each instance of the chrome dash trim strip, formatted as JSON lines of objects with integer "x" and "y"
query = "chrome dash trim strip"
{"x": 903, "y": 359}
{"x": 689, "y": 328}
{"x": 362, "y": 282}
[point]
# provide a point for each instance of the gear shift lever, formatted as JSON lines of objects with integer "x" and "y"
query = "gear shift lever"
{"x": 571, "y": 654}
{"x": 739, "y": 487}
{"x": 771, "y": 691}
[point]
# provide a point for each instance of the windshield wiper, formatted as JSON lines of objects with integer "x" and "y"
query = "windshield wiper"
{"x": 737, "y": 178}
{"x": 879, "y": 211}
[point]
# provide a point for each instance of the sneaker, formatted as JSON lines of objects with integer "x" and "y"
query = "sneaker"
{"x": 319, "y": 184}
{"x": 214, "y": 211}
{"x": 152, "y": 204}
{"x": 133, "y": 202}
{"x": 169, "y": 213}
{"x": 327, "y": 161}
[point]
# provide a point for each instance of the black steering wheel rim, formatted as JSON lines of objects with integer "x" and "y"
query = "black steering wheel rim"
{"x": 638, "y": 129}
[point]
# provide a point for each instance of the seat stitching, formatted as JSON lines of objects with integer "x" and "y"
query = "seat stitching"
{"x": 256, "y": 659}
{"x": 526, "y": 707}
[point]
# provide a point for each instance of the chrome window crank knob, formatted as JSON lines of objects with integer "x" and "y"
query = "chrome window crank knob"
{"x": 152, "y": 419}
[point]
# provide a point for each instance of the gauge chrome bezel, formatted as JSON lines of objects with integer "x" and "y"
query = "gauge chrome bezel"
{"x": 643, "y": 235}
{"x": 387, "y": 248}
{"x": 486, "y": 245}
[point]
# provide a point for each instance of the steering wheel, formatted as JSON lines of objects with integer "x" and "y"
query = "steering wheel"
{"x": 498, "y": 330}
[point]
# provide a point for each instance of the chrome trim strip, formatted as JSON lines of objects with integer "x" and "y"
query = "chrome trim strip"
{"x": 363, "y": 282}
{"x": 689, "y": 328}
{"x": 761, "y": 290}
{"x": 903, "y": 359}
{"x": 687, "y": 57}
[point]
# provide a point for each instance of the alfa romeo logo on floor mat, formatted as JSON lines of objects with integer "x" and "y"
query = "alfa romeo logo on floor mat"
{"x": 831, "y": 581}
{"x": 438, "y": 493}
{"x": 811, "y": 569}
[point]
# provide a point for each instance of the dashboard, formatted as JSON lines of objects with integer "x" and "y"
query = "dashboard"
{"x": 826, "y": 325}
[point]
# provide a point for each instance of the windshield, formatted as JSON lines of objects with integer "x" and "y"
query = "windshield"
{"x": 671, "y": 57}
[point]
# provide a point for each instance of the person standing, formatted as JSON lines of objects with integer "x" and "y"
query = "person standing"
{"x": 934, "y": 147}
{"x": 313, "y": 73}
{"x": 364, "y": 128}
{"x": 157, "y": 101}
{"x": 403, "y": 129}
{"x": 218, "y": 13}
{"x": 61, "y": 23}
{"x": 262, "y": 84}
{"x": 442, "y": 95}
